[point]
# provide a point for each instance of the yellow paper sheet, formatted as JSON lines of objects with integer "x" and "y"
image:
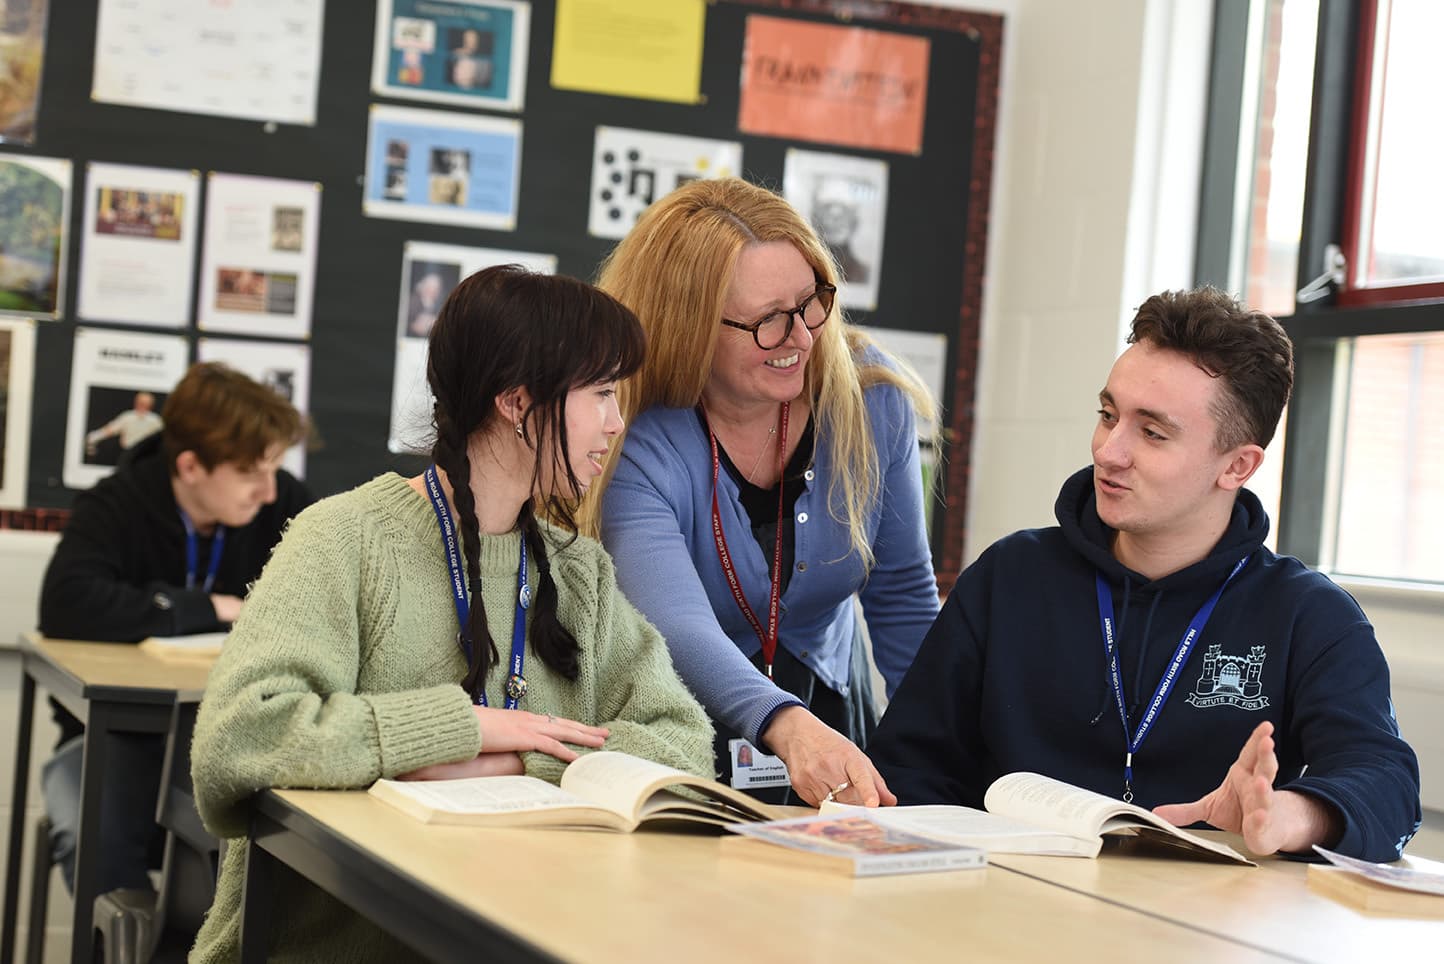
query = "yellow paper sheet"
{"x": 630, "y": 48}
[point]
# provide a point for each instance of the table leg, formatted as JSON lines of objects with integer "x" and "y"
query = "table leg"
{"x": 257, "y": 902}
{"x": 87, "y": 839}
{"x": 17, "y": 814}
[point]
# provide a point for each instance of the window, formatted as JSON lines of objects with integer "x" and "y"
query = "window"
{"x": 1330, "y": 109}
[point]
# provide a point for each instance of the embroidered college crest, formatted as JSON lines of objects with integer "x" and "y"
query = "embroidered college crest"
{"x": 1230, "y": 680}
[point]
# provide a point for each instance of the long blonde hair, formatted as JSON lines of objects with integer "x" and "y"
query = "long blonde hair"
{"x": 674, "y": 269}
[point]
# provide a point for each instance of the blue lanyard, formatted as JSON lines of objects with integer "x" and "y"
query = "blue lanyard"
{"x": 1165, "y": 685}
{"x": 193, "y": 551}
{"x": 515, "y": 683}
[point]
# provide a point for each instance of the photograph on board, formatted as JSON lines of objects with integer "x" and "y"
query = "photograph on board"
{"x": 466, "y": 53}
{"x": 138, "y": 243}
{"x": 845, "y": 198}
{"x": 442, "y": 166}
{"x": 22, "y": 55}
{"x": 283, "y": 367}
{"x": 632, "y": 168}
{"x": 34, "y": 212}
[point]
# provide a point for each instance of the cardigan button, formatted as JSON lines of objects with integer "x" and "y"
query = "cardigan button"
{"x": 801, "y": 518}
{"x": 802, "y": 567}
{"x": 808, "y": 475}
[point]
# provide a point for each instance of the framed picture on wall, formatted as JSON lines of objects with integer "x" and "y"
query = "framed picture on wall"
{"x": 468, "y": 53}
{"x": 33, "y": 234}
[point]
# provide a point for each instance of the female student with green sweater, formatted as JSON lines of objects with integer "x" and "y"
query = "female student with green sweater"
{"x": 345, "y": 664}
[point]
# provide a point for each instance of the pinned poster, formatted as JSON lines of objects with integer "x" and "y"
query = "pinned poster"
{"x": 138, "y": 245}
{"x": 442, "y": 166}
{"x": 260, "y": 59}
{"x": 32, "y": 234}
{"x": 631, "y": 169}
{"x": 22, "y": 52}
{"x": 428, "y": 274}
{"x": 821, "y": 82}
{"x": 651, "y": 49}
{"x": 17, "y": 376}
{"x": 258, "y": 269}
{"x": 469, "y": 53}
{"x": 845, "y": 198}
{"x": 283, "y": 367}
{"x": 118, "y": 384}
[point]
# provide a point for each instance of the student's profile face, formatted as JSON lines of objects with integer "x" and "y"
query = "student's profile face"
{"x": 233, "y": 494}
{"x": 593, "y": 420}
{"x": 1156, "y": 469}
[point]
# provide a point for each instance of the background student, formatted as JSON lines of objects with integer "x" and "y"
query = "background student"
{"x": 770, "y": 478}
{"x": 1150, "y": 646}
{"x": 164, "y": 546}
{"x": 435, "y": 626}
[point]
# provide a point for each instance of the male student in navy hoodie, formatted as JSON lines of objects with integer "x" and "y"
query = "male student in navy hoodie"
{"x": 1149, "y": 647}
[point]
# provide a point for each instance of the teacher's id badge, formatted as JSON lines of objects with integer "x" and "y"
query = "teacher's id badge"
{"x": 753, "y": 768}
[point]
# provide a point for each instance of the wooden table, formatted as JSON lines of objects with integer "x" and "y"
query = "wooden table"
{"x": 1270, "y": 907}
{"x": 464, "y": 894}
{"x": 112, "y": 687}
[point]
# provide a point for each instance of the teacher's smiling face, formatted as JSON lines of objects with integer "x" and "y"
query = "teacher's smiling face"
{"x": 770, "y": 277}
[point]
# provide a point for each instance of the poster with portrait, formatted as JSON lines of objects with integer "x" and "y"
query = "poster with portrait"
{"x": 632, "y": 168}
{"x": 845, "y": 198}
{"x": 22, "y": 55}
{"x": 260, "y": 59}
{"x": 284, "y": 367}
{"x": 442, "y": 166}
{"x": 834, "y": 84}
{"x": 258, "y": 266}
{"x": 17, "y": 375}
{"x": 468, "y": 53}
{"x": 138, "y": 244}
{"x": 33, "y": 242}
{"x": 428, "y": 273}
{"x": 119, "y": 381}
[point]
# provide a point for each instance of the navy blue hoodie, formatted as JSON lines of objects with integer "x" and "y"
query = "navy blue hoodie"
{"x": 1013, "y": 676}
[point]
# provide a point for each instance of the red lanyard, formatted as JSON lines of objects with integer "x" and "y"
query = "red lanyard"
{"x": 768, "y": 638}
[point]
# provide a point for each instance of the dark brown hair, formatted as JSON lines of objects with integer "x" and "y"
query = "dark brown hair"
{"x": 505, "y": 328}
{"x": 222, "y": 416}
{"x": 1246, "y": 349}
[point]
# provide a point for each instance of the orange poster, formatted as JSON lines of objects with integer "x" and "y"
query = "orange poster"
{"x": 834, "y": 85}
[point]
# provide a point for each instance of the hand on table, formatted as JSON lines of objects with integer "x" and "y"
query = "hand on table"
{"x": 820, "y": 760}
{"x": 519, "y": 731}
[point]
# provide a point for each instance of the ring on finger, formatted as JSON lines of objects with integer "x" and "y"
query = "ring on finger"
{"x": 832, "y": 794}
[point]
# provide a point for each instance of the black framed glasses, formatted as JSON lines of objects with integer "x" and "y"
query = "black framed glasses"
{"x": 772, "y": 330}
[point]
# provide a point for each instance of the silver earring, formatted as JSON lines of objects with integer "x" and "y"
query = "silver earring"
{"x": 518, "y": 431}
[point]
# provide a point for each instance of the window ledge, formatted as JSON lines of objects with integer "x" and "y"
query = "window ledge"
{"x": 1426, "y": 597}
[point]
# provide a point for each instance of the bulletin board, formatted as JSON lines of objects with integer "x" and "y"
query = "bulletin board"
{"x": 930, "y": 279}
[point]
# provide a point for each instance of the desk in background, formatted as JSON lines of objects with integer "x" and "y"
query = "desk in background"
{"x": 463, "y": 894}
{"x": 111, "y": 687}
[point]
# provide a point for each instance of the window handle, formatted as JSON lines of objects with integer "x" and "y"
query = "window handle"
{"x": 1332, "y": 278}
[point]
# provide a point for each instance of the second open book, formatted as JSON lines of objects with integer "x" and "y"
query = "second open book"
{"x": 604, "y": 790}
{"x": 1032, "y": 814}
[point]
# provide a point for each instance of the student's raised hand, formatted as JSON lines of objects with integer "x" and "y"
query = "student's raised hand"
{"x": 481, "y": 765}
{"x": 520, "y": 731}
{"x": 1246, "y": 803}
{"x": 819, "y": 759}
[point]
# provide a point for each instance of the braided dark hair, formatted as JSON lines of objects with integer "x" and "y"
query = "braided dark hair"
{"x": 505, "y": 328}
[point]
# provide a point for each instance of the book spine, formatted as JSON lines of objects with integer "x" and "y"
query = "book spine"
{"x": 918, "y": 863}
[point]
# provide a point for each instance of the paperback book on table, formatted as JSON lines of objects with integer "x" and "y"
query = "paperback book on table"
{"x": 1027, "y": 813}
{"x": 857, "y": 844}
{"x": 605, "y": 790}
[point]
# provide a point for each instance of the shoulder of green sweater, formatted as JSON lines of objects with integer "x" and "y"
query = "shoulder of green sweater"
{"x": 386, "y": 498}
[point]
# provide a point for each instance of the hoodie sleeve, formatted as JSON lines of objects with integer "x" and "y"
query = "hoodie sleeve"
{"x": 928, "y": 746}
{"x": 1342, "y": 725}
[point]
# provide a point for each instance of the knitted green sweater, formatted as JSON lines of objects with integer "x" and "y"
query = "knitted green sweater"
{"x": 344, "y": 668}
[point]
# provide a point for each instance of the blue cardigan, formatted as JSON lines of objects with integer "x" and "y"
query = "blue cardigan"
{"x": 657, "y": 524}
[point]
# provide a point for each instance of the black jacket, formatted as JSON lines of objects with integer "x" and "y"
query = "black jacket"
{"x": 1013, "y": 676}
{"x": 119, "y": 573}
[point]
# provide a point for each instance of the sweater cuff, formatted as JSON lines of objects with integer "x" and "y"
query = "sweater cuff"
{"x": 766, "y": 711}
{"x": 416, "y": 728}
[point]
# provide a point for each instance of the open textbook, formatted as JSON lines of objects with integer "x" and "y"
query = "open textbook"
{"x": 1032, "y": 814}
{"x": 195, "y": 647}
{"x": 605, "y": 790}
{"x": 857, "y": 844}
{"x": 1410, "y": 888}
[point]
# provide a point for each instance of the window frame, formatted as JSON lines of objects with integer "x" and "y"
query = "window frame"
{"x": 1322, "y": 330}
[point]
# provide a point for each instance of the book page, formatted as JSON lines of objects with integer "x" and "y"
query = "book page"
{"x": 194, "y": 643}
{"x": 977, "y": 828}
{"x": 626, "y": 784}
{"x": 1419, "y": 875}
{"x": 480, "y": 795}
